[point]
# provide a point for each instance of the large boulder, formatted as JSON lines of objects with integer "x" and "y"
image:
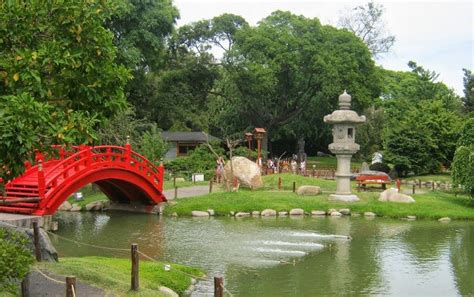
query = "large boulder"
{"x": 308, "y": 190}
{"x": 392, "y": 195}
{"x": 48, "y": 252}
{"x": 246, "y": 171}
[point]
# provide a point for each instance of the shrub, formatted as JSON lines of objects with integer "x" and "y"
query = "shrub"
{"x": 462, "y": 168}
{"x": 380, "y": 167}
{"x": 15, "y": 259}
{"x": 201, "y": 160}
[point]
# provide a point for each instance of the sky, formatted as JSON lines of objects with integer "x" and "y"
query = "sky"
{"x": 438, "y": 35}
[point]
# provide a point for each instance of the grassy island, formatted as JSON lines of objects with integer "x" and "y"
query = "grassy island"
{"x": 429, "y": 204}
{"x": 113, "y": 274}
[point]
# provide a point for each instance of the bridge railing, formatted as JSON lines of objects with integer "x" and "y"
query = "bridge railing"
{"x": 82, "y": 157}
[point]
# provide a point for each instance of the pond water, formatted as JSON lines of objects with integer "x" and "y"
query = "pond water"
{"x": 305, "y": 256}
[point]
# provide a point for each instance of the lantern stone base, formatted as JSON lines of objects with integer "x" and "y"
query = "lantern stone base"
{"x": 344, "y": 198}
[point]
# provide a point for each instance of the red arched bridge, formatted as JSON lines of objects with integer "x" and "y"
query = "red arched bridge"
{"x": 123, "y": 175}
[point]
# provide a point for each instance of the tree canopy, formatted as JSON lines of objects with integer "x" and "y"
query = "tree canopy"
{"x": 58, "y": 75}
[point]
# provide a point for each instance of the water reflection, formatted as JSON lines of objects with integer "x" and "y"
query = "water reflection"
{"x": 294, "y": 257}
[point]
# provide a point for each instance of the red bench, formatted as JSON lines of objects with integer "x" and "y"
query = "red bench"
{"x": 364, "y": 180}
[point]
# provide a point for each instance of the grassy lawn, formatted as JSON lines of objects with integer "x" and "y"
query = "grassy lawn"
{"x": 442, "y": 177}
{"x": 328, "y": 162}
{"x": 113, "y": 274}
{"x": 430, "y": 205}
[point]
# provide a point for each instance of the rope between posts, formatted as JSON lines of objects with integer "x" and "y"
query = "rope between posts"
{"x": 177, "y": 270}
{"x": 50, "y": 278}
{"x": 87, "y": 244}
{"x": 227, "y": 291}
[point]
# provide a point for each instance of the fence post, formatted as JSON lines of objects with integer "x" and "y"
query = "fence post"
{"x": 25, "y": 286}
{"x": 218, "y": 286}
{"x": 294, "y": 186}
{"x": 174, "y": 182}
{"x": 175, "y": 192}
{"x": 37, "y": 241}
{"x": 210, "y": 185}
{"x": 279, "y": 183}
{"x": 413, "y": 189}
{"x": 419, "y": 183}
{"x": 70, "y": 286}
{"x": 135, "y": 258}
{"x": 432, "y": 185}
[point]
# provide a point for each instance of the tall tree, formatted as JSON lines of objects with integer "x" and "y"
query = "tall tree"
{"x": 468, "y": 99}
{"x": 58, "y": 75}
{"x": 141, "y": 31}
{"x": 290, "y": 70}
{"x": 366, "y": 21}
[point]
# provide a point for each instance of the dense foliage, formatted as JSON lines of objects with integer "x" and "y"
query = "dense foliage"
{"x": 57, "y": 75}
{"x": 201, "y": 160}
{"x": 15, "y": 260}
{"x": 421, "y": 121}
{"x": 463, "y": 163}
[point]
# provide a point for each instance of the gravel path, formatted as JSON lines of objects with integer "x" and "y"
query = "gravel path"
{"x": 187, "y": 192}
{"x": 41, "y": 286}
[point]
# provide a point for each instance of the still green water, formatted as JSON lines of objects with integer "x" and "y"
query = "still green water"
{"x": 304, "y": 256}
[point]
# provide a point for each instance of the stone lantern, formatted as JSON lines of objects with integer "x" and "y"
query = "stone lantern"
{"x": 344, "y": 146}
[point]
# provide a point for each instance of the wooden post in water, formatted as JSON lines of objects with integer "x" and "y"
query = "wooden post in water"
{"x": 279, "y": 183}
{"x": 36, "y": 232}
{"x": 218, "y": 286}
{"x": 294, "y": 186}
{"x": 135, "y": 259}
{"x": 175, "y": 192}
{"x": 71, "y": 286}
{"x": 25, "y": 286}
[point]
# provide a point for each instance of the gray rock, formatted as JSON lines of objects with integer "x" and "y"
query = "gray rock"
{"x": 174, "y": 215}
{"x": 411, "y": 218}
{"x": 48, "y": 252}
{"x": 268, "y": 213}
{"x": 232, "y": 213}
{"x": 167, "y": 291}
{"x": 336, "y": 214}
{"x": 211, "y": 212}
{"x": 242, "y": 214}
{"x": 198, "y": 213}
{"x": 444, "y": 220}
{"x": 369, "y": 214}
{"x": 355, "y": 214}
{"x": 345, "y": 211}
{"x": 75, "y": 207}
{"x": 95, "y": 205}
{"x": 308, "y": 190}
{"x": 255, "y": 213}
{"x": 66, "y": 206}
{"x": 331, "y": 211}
{"x": 318, "y": 213}
{"x": 282, "y": 213}
{"x": 296, "y": 212}
{"x": 392, "y": 195}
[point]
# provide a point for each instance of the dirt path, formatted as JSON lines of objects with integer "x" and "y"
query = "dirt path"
{"x": 187, "y": 192}
{"x": 41, "y": 286}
